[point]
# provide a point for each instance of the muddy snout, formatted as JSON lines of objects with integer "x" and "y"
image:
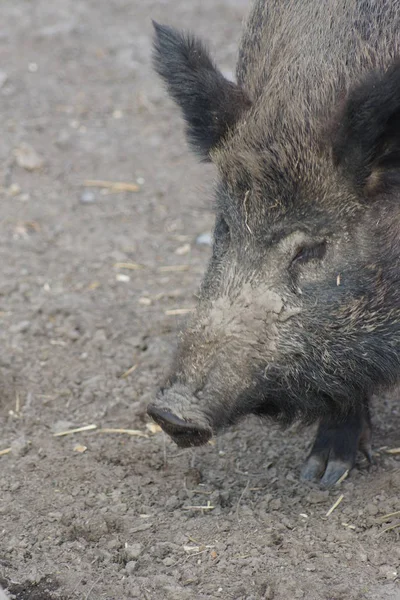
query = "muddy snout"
{"x": 186, "y": 428}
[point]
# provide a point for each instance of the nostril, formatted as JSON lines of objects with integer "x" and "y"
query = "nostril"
{"x": 184, "y": 433}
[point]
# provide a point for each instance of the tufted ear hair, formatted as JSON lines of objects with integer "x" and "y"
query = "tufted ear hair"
{"x": 367, "y": 142}
{"x": 211, "y": 105}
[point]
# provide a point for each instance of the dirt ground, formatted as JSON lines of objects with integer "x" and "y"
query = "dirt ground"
{"x": 85, "y": 340}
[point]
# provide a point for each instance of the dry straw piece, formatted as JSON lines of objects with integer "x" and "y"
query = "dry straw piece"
{"x": 135, "y": 432}
{"x": 128, "y": 265}
{"x": 76, "y": 430}
{"x": 168, "y": 268}
{"x": 208, "y": 506}
{"x": 129, "y": 371}
{"x": 335, "y": 505}
{"x": 113, "y": 186}
{"x": 179, "y": 311}
{"x": 393, "y": 451}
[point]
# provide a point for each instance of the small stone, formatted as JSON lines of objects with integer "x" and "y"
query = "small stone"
{"x": 14, "y": 189}
{"x": 192, "y": 478}
{"x": 172, "y": 503}
{"x": 204, "y": 239}
{"x": 3, "y": 78}
{"x": 275, "y": 504}
{"x": 168, "y": 561}
{"x": 20, "y": 446}
{"x": 317, "y": 496}
{"x": 21, "y": 327}
{"x": 131, "y": 567}
{"x": 182, "y": 250}
{"x": 371, "y": 509}
{"x": 73, "y": 335}
{"x": 388, "y": 572}
{"x": 79, "y": 448}
{"x": 113, "y": 544}
{"x": 133, "y": 551}
{"x": 88, "y": 197}
{"x": 122, "y": 278}
{"x": 27, "y": 157}
{"x": 63, "y": 139}
{"x": 363, "y": 557}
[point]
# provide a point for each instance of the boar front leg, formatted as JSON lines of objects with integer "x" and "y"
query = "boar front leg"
{"x": 335, "y": 447}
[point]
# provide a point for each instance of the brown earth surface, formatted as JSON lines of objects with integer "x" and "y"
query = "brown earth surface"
{"x": 97, "y": 515}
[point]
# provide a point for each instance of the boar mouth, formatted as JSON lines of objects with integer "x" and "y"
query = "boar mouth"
{"x": 184, "y": 433}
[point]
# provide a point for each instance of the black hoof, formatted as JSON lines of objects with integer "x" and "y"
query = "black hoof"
{"x": 334, "y": 452}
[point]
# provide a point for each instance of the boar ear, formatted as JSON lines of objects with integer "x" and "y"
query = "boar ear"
{"x": 367, "y": 143}
{"x": 211, "y": 104}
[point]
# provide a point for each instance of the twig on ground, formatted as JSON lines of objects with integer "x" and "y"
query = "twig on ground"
{"x": 134, "y": 432}
{"x": 113, "y": 186}
{"x": 76, "y": 430}
{"x": 335, "y": 505}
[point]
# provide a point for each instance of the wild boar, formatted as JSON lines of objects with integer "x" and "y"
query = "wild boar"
{"x": 298, "y": 315}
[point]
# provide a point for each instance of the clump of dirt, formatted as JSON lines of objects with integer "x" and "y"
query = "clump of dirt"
{"x": 94, "y": 283}
{"x": 41, "y": 590}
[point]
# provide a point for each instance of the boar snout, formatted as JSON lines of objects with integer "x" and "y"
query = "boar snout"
{"x": 185, "y": 428}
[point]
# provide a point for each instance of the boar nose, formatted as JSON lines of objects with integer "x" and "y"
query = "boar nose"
{"x": 184, "y": 433}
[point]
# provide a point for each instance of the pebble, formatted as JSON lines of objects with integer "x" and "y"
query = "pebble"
{"x": 317, "y": 496}
{"x": 371, "y": 509}
{"x": 88, "y": 197}
{"x": 275, "y": 504}
{"x": 192, "y": 478}
{"x": 182, "y": 250}
{"x": 27, "y": 157}
{"x": 388, "y": 572}
{"x": 14, "y": 189}
{"x": 20, "y": 446}
{"x": 64, "y": 139}
{"x": 122, "y": 277}
{"x": 204, "y": 239}
{"x": 168, "y": 561}
{"x": 172, "y": 503}
{"x": 131, "y": 567}
{"x": 3, "y": 78}
{"x": 133, "y": 551}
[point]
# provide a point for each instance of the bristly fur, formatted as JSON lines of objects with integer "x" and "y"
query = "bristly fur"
{"x": 368, "y": 137}
{"x": 313, "y": 161}
{"x": 210, "y": 103}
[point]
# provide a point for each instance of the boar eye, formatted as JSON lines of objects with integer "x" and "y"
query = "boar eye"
{"x": 308, "y": 252}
